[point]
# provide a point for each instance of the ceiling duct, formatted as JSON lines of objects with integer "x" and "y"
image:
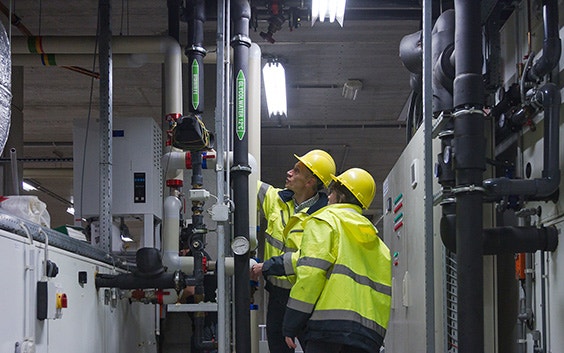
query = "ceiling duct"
{"x": 5, "y": 87}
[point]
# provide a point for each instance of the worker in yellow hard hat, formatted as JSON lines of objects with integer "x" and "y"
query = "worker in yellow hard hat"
{"x": 342, "y": 296}
{"x": 284, "y": 210}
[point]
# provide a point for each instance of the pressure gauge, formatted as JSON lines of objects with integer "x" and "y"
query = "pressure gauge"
{"x": 240, "y": 245}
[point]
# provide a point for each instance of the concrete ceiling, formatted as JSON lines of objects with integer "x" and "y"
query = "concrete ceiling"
{"x": 367, "y": 132}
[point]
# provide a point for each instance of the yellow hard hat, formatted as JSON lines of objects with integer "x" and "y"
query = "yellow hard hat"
{"x": 360, "y": 183}
{"x": 320, "y": 163}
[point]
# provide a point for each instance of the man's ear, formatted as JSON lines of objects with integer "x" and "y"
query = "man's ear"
{"x": 312, "y": 182}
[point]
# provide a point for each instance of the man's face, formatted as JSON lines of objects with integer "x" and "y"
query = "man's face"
{"x": 298, "y": 177}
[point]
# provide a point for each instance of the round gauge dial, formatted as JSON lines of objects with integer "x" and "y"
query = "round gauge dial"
{"x": 240, "y": 245}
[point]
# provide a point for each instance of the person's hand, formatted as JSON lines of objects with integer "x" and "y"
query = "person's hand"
{"x": 188, "y": 291}
{"x": 290, "y": 342}
{"x": 256, "y": 271}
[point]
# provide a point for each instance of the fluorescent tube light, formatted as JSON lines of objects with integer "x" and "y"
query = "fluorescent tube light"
{"x": 274, "y": 78}
{"x": 334, "y": 9}
{"x": 28, "y": 187}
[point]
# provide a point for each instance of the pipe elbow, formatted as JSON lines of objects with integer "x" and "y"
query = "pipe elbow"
{"x": 551, "y": 55}
{"x": 547, "y": 186}
{"x": 549, "y": 95}
{"x": 496, "y": 186}
{"x": 551, "y": 236}
{"x": 410, "y": 52}
{"x": 200, "y": 11}
{"x": 241, "y": 9}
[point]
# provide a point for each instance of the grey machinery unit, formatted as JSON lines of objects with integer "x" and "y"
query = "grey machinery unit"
{"x": 137, "y": 175}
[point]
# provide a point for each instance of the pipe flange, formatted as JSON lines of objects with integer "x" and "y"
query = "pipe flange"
{"x": 197, "y": 49}
{"x": 472, "y": 110}
{"x": 469, "y": 188}
{"x": 448, "y": 201}
{"x": 241, "y": 168}
{"x": 241, "y": 38}
{"x": 446, "y": 133}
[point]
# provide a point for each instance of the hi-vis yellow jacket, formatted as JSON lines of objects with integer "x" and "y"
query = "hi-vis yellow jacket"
{"x": 283, "y": 232}
{"x": 343, "y": 286}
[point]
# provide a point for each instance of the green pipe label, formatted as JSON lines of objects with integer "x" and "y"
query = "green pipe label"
{"x": 241, "y": 105}
{"x": 195, "y": 84}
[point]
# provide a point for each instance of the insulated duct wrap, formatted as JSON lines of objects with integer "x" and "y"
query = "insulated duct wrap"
{"x": 5, "y": 87}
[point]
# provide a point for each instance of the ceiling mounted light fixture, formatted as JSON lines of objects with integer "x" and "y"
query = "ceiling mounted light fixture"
{"x": 28, "y": 187}
{"x": 274, "y": 77}
{"x": 333, "y": 9}
{"x": 351, "y": 88}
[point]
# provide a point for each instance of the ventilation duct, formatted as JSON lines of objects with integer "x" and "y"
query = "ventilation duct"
{"x": 5, "y": 87}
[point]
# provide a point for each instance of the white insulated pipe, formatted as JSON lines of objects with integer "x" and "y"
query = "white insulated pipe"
{"x": 254, "y": 92}
{"x": 171, "y": 234}
{"x": 175, "y": 160}
{"x": 173, "y": 207}
{"x": 133, "y": 60}
{"x": 126, "y": 45}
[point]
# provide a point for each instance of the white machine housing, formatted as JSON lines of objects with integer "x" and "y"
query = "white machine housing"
{"x": 137, "y": 185}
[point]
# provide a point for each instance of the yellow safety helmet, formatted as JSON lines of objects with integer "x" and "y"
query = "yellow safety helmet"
{"x": 360, "y": 183}
{"x": 320, "y": 163}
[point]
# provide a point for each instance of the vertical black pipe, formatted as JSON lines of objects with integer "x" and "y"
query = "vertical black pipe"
{"x": 197, "y": 240}
{"x": 196, "y": 53}
{"x": 469, "y": 145}
{"x": 173, "y": 7}
{"x": 549, "y": 95}
{"x": 241, "y": 14}
{"x": 197, "y": 244}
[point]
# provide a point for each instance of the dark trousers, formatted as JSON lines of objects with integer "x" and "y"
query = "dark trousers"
{"x": 326, "y": 347}
{"x": 277, "y": 300}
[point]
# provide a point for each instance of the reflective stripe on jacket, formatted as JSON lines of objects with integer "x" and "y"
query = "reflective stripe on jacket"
{"x": 343, "y": 280}
{"x": 277, "y": 206}
{"x": 284, "y": 227}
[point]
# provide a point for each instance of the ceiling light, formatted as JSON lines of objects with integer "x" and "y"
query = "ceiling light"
{"x": 334, "y": 9}
{"x": 70, "y": 210}
{"x": 274, "y": 78}
{"x": 28, "y": 187}
{"x": 351, "y": 88}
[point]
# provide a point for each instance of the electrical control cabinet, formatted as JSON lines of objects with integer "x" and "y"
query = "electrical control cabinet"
{"x": 404, "y": 233}
{"x": 416, "y": 263}
{"x": 136, "y": 167}
{"x": 137, "y": 182}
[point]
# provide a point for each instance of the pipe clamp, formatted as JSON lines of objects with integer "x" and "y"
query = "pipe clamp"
{"x": 446, "y": 133}
{"x": 243, "y": 39}
{"x": 472, "y": 110}
{"x": 241, "y": 168}
{"x": 197, "y": 49}
{"x": 470, "y": 188}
